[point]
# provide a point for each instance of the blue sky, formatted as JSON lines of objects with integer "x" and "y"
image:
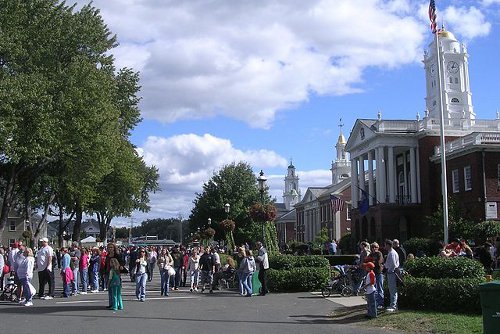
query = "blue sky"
{"x": 266, "y": 81}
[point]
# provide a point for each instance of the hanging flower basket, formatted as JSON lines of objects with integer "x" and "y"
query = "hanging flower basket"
{"x": 228, "y": 225}
{"x": 263, "y": 213}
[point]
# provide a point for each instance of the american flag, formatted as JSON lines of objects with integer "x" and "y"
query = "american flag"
{"x": 337, "y": 203}
{"x": 432, "y": 16}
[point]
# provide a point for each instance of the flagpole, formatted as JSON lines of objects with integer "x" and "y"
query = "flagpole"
{"x": 444, "y": 185}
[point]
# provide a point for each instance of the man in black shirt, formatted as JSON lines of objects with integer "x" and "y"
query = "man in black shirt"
{"x": 207, "y": 268}
{"x": 401, "y": 252}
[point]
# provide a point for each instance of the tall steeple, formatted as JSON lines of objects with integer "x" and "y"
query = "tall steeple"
{"x": 291, "y": 195}
{"x": 341, "y": 167}
{"x": 454, "y": 78}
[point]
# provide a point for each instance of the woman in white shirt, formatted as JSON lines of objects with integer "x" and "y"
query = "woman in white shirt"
{"x": 141, "y": 275}
{"x": 25, "y": 274}
{"x": 193, "y": 265}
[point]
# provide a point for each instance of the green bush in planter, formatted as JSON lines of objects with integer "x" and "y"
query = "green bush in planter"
{"x": 442, "y": 267}
{"x": 297, "y": 279}
{"x": 445, "y": 295}
{"x": 286, "y": 262}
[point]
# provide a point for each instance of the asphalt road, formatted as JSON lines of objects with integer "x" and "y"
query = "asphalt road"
{"x": 181, "y": 312}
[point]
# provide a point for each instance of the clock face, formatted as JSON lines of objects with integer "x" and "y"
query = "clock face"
{"x": 433, "y": 69}
{"x": 452, "y": 67}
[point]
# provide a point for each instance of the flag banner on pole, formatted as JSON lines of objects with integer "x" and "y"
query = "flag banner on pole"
{"x": 337, "y": 203}
{"x": 363, "y": 204}
{"x": 433, "y": 16}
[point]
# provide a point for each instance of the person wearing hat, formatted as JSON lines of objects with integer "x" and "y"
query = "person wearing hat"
{"x": 44, "y": 258}
{"x": 369, "y": 286}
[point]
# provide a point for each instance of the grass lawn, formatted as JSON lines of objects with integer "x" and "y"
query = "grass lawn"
{"x": 410, "y": 321}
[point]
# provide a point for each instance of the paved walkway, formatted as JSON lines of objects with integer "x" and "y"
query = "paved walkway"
{"x": 185, "y": 312}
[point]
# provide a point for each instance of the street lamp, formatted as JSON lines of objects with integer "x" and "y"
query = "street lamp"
{"x": 227, "y": 207}
{"x": 262, "y": 187}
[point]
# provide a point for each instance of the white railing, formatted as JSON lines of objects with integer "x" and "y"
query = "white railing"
{"x": 471, "y": 139}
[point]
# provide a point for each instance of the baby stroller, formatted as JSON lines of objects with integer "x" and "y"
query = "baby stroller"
{"x": 227, "y": 279}
{"x": 9, "y": 290}
{"x": 340, "y": 282}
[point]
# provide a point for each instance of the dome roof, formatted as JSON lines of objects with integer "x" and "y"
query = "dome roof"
{"x": 446, "y": 34}
{"x": 341, "y": 139}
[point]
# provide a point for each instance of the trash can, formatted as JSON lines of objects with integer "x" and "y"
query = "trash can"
{"x": 490, "y": 305}
{"x": 256, "y": 283}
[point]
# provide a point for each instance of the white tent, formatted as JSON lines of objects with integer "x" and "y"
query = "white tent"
{"x": 88, "y": 240}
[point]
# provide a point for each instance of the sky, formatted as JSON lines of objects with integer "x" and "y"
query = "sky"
{"x": 268, "y": 82}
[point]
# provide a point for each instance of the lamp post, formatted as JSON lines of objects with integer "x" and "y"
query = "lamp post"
{"x": 262, "y": 187}
{"x": 227, "y": 207}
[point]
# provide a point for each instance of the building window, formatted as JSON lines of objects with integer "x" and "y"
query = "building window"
{"x": 455, "y": 181}
{"x": 467, "y": 178}
{"x": 456, "y": 80}
{"x": 349, "y": 206}
{"x": 455, "y": 100}
{"x": 12, "y": 225}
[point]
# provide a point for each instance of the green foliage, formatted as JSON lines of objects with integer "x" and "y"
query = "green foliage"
{"x": 458, "y": 225}
{"x": 347, "y": 244}
{"x": 297, "y": 279}
{"x": 236, "y": 185}
{"x": 271, "y": 237}
{"x": 163, "y": 228}
{"x": 322, "y": 237}
{"x": 297, "y": 273}
{"x": 496, "y": 274}
{"x": 445, "y": 294}
{"x": 442, "y": 267}
{"x": 485, "y": 230}
{"x": 66, "y": 114}
{"x": 287, "y": 262}
{"x": 417, "y": 246}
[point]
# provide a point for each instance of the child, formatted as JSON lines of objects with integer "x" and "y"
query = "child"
{"x": 115, "y": 284}
{"x": 369, "y": 285}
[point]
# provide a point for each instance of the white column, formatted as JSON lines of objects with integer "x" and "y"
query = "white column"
{"x": 392, "y": 177}
{"x": 383, "y": 177}
{"x": 371, "y": 189}
{"x": 362, "y": 172}
{"x": 377, "y": 175}
{"x": 407, "y": 180}
{"x": 419, "y": 192}
{"x": 413, "y": 176}
{"x": 354, "y": 182}
{"x": 337, "y": 225}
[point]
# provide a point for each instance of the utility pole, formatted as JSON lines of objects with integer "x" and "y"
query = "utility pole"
{"x": 180, "y": 227}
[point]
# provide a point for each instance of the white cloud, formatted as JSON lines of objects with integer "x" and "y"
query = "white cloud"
{"x": 249, "y": 60}
{"x": 467, "y": 22}
{"x": 187, "y": 161}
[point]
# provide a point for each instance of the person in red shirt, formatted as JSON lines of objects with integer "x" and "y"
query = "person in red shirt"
{"x": 369, "y": 285}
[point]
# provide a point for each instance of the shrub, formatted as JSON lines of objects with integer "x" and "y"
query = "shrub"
{"x": 485, "y": 230}
{"x": 442, "y": 267}
{"x": 447, "y": 294}
{"x": 346, "y": 244}
{"x": 417, "y": 246}
{"x": 496, "y": 274}
{"x": 297, "y": 273}
{"x": 287, "y": 262}
{"x": 298, "y": 279}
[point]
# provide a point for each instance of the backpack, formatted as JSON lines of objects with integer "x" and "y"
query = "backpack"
{"x": 6, "y": 269}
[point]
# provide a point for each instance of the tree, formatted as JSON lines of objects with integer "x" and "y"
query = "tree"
{"x": 236, "y": 185}
{"x": 66, "y": 112}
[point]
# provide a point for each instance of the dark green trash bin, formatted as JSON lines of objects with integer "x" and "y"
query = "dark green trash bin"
{"x": 490, "y": 304}
{"x": 255, "y": 283}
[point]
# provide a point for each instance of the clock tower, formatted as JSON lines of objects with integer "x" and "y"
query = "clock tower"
{"x": 291, "y": 195}
{"x": 453, "y": 77}
{"x": 341, "y": 167}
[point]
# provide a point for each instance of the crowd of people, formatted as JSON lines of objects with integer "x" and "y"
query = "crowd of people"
{"x": 82, "y": 270}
